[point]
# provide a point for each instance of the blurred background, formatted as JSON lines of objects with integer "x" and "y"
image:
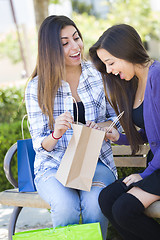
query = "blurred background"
{"x": 20, "y": 20}
{"x": 19, "y": 23}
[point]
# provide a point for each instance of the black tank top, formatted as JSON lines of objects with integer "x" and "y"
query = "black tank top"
{"x": 138, "y": 120}
{"x": 137, "y": 116}
{"x": 81, "y": 112}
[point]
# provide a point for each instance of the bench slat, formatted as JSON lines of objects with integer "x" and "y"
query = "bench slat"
{"x": 153, "y": 210}
{"x": 12, "y": 197}
{"x": 126, "y": 150}
{"x": 130, "y": 161}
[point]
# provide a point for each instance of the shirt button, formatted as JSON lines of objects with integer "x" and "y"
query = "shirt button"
{"x": 68, "y": 94}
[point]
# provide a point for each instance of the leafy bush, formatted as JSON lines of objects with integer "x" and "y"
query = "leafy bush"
{"x": 12, "y": 107}
{"x": 12, "y": 110}
{"x": 9, "y": 134}
{"x": 9, "y": 47}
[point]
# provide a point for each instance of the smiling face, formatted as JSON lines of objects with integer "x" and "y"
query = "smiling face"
{"x": 125, "y": 69}
{"x": 72, "y": 45}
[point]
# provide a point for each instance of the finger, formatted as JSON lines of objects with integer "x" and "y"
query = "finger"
{"x": 64, "y": 118}
{"x": 109, "y": 136}
{"x": 126, "y": 179}
{"x": 93, "y": 125}
{"x": 129, "y": 182}
{"x": 88, "y": 123}
{"x": 106, "y": 139}
{"x": 68, "y": 115}
{"x": 62, "y": 125}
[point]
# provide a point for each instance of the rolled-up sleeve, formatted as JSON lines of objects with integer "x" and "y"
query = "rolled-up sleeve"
{"x": 38, "y": 121}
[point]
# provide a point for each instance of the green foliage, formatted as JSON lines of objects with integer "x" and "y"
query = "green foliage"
{"x": 11, "y": 112}
{"x": 81, "y": 7}
{"x": 136, "y": 13}
{"x": 90, "y": 27}
{"x": 9, "y": 134}
{"x": 125, "y": 171}
{"x": 54, "y": 1}
{"x": 9, "y": 47}
{"x": 112, "y": 233}
{"x": 12, "y": 107}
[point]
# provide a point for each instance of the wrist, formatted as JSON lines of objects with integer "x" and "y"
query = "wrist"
{"x": 55, "y": 138}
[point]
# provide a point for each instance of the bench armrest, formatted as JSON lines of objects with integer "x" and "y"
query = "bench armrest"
{"x": 7, "y": 165}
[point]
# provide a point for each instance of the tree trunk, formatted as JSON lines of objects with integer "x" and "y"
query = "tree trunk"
{"x": 41, "y": 11}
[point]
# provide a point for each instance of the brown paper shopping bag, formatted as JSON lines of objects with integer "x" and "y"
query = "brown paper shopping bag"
{"x": 79, "y": 162}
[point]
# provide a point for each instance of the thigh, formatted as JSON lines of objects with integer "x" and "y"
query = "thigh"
{"x": 53, "y": 192}
{"x": 144, "y": 197}
{"x": 103, "y": 177}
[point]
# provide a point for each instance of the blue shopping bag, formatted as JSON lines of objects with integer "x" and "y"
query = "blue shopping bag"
{"x": 25, "y": 157}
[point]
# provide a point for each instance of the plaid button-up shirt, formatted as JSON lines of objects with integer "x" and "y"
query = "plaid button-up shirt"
{"x": 97, "y": 109}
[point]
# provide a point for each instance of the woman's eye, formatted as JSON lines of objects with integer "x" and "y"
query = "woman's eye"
{"x": 76, "y": 38}
{"x": 111, "y": 64}
{"x": 64, "y": 43}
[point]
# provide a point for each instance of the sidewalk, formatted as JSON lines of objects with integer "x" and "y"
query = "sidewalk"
{"x": 29, "y": 218}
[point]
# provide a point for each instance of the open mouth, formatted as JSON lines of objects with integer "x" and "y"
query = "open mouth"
{"x": 116, "y": 73}
{"x": 75, "y": 55}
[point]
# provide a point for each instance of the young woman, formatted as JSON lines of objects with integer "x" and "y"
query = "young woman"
{"x": 61, "y": 72}
{"x": 132, "y": 79}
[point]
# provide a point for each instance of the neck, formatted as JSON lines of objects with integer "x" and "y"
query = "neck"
{"x": 73, "y": 72}
{"x": 142, "y": 72}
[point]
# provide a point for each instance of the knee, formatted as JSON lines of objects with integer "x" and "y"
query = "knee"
{"x": 64, "y": 213}
{"x": 107, "y": 197}
{"x": 65, "y": 206}
{"x": 123, "y": 210}
{"x": 105, "y": 201}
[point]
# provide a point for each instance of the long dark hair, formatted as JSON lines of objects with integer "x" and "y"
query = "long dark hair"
{"x": 50, "y": 66}
{"x": 122, "y": 41}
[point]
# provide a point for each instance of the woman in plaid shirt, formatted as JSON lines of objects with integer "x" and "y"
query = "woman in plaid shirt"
{"x": 61, "y": 72}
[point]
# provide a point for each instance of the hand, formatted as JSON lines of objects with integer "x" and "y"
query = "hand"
{"x": 92, "y": 125}
{"x": 112, "y": 135}
{"x": 62, "y": 123}
{"x": 132, "y": 178}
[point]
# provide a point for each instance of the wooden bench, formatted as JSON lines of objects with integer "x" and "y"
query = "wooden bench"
{"x": 11, "y": 197}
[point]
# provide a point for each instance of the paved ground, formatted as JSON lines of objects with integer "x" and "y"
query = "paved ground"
{"x": 29, "y": 218}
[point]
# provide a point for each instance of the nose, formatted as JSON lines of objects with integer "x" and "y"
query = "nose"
{"x": 74, "y": 45}
{"x": 108, "y": 69}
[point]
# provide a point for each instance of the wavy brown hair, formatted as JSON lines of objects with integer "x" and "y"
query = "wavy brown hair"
{"x": 122, "y": 41}
{"x": 50, "y": 67}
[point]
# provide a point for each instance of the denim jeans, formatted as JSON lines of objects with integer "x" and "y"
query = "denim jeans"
{"x": 67, "y": 204}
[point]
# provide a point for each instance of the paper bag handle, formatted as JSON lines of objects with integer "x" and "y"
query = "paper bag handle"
{"x": 22, "y": 125}
{"x": 75, "y": 103}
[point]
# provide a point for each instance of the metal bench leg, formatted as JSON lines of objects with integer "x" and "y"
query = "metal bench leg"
{"x": 12, "y": 222}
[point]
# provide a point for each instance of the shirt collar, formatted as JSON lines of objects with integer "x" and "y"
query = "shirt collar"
{"x": 88, "y": 70}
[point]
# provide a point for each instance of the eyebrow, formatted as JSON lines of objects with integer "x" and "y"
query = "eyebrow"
{"x": 72, "y": 35}
{"x": 107, "y": 60}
